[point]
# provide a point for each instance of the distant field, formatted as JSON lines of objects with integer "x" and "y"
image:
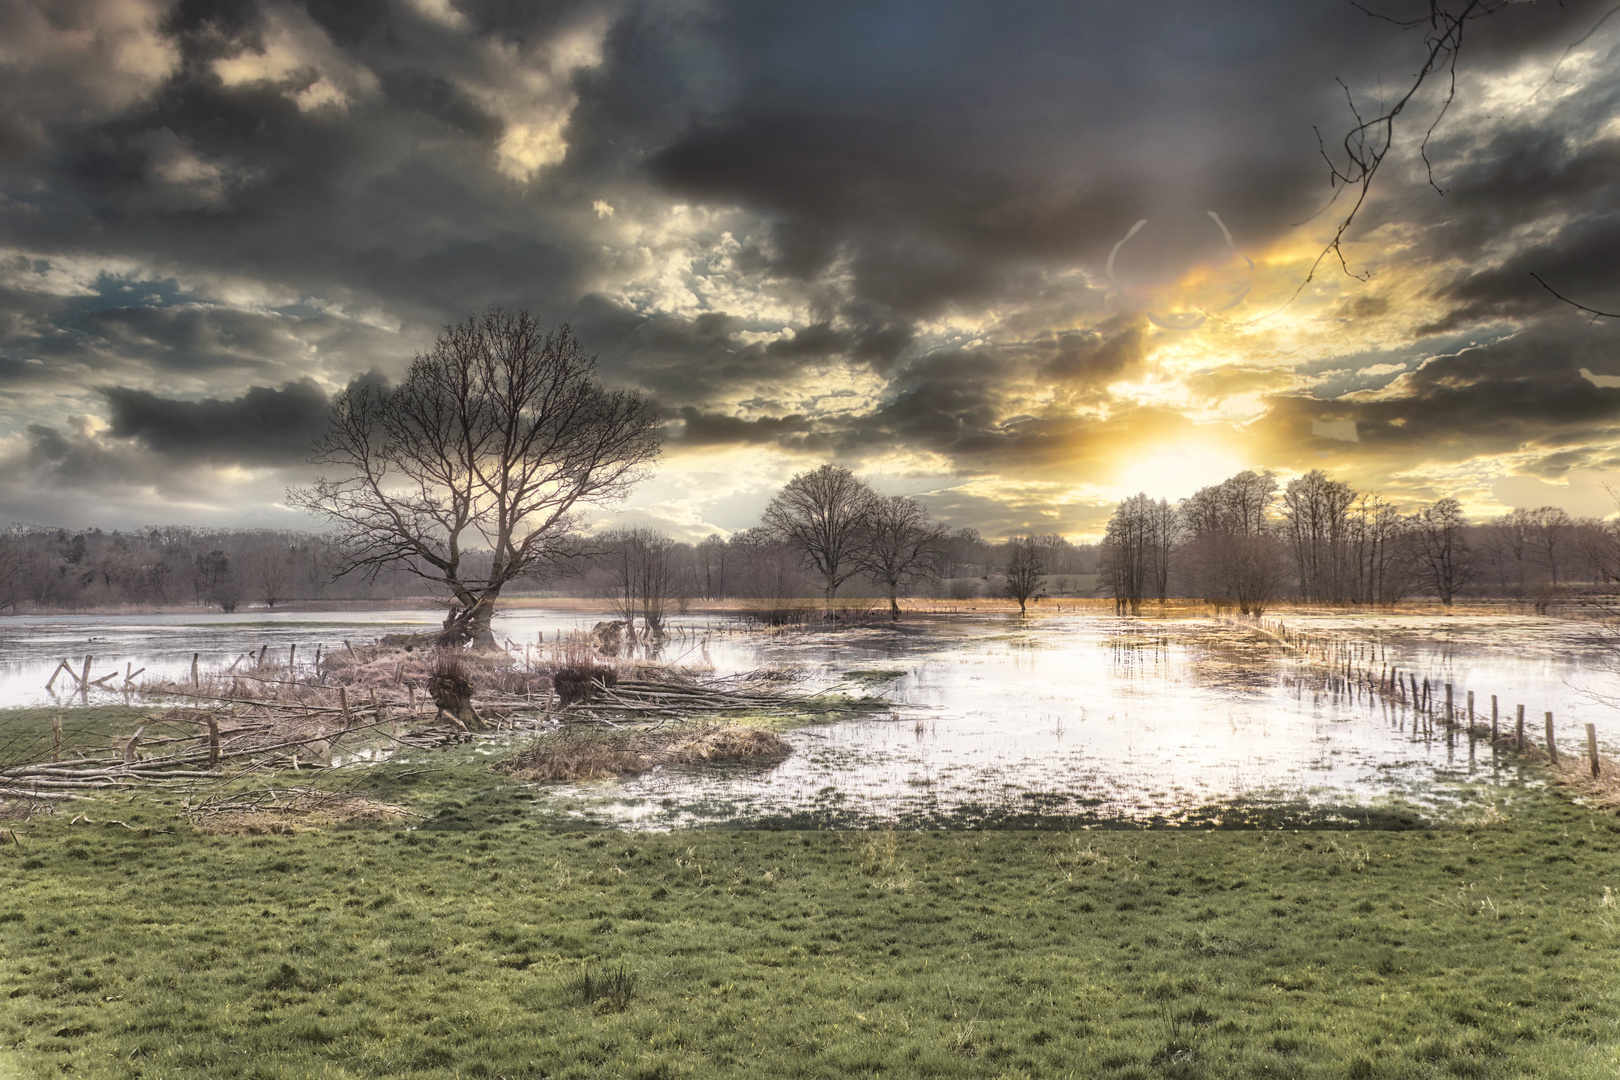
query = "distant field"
{"x": 460, "y": 946}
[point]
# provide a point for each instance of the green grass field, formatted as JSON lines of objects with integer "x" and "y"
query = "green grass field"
{"x": 481, "y": 943}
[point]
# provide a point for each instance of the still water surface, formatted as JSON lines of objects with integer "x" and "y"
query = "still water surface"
{"x": 1058, "y": 720}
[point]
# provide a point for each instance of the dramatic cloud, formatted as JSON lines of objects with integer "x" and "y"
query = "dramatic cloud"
{"x": 262, "y": 427}
{"x": 1017, "y": 261}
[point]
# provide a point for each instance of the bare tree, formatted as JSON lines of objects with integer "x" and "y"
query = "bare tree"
{"x": 899, "y": 546}
{"x": 1026, "y": 570}
{"x": 13, "y": 560}
{"x": 642, "y": 567}
{"x": 1316, "y": 521}
{"x": 1552, "y": 531}
{"x": 497, "y": 436}
{"x": 269, "y": 569}
{"x": 1509, "y": 545}
{"x": 1440, "y": 545}
{"x": 821, "y": 514}
{"x": 711, "y": 557}
{"x": 1136, "y": 550}
{"x": 1234, "y": 555}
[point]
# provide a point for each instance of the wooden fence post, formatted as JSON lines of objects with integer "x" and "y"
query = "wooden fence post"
{"x": 343, "y": 699}
{"x": 84, "y": 680}
{"x": 56, "y": 737}
{"x": 1518, "y": 738}
{"x": 1470, "y": 713}
{"x": 213, "y": 740}
{"x": 292, "y": 661}
{"x": 194, "y": 657}
{"x": 1552, "y": 747}
{"x": 1591, "y": 749}
{"x": 1493, "y": 718}
{"x": 1451, "y": 717}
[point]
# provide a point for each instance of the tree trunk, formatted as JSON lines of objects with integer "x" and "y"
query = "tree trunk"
{"x": 894, "y": 605}
{"x": 470, "y": 623}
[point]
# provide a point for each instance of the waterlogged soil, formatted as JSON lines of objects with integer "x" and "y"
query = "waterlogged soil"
{"x": 1050, "y": 722}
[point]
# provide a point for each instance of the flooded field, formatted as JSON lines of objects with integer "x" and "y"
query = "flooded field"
{"x": 1056, "y": 721}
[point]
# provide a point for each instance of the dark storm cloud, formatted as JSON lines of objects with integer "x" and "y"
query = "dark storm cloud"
{"x": 941, "y": 146}
{"x": 895, "y": 162}
{"x": 263, "y": 427}
{"x": 714, "y": 429}
{"x": 1525, "y": 391}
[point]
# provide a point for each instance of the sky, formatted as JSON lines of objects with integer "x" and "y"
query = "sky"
{"x": 1018, "y": 260}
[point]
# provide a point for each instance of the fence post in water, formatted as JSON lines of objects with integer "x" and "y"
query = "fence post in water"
{"x": 1493, "y": 718}
{"x": 1451, "y": 717}
{"x": 1518, "y": 736}
{"x": 1591, "y": 749}
{"x": 292, "y": 660}
{"x": 56, "y": 738}
{"x": 84, "y": 680}
{"x": 262, "y": 650}
{"x": 1470, "y": 714}
{"x": 194, "y": 657}
{"x": 1552, "y": 747}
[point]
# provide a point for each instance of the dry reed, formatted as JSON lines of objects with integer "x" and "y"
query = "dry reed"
{"x": 594, "y": 756}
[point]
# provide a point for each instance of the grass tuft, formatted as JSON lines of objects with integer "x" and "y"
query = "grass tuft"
{"x": 612, "y": 991}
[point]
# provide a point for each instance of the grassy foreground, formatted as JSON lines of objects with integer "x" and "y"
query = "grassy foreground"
{"x": 460, "y": 948}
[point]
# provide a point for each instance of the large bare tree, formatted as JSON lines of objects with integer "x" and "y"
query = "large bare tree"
{"x": 899, "y": 546}
{"x": 498, "y": 435}
{"x": 822, "y": 513}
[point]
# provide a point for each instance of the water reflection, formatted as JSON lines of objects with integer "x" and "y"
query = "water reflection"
{"x": 1063, "y": 720}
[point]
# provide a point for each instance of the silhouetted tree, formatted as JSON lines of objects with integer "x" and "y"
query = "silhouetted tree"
{"x": 899, "y": 546}
{"x": 1440, "y": 546}
{"x": 1026, "y": 569}
{"x": 820, "y": 514}
{"x": 498, "y": 434}
{"x": 1136, "y": 551}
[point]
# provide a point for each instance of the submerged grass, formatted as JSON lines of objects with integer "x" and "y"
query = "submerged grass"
{"x": 479, "y": 944}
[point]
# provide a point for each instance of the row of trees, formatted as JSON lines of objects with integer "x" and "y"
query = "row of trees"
{"x": 54, "y": 568}
{"x": 1245, "y": 543}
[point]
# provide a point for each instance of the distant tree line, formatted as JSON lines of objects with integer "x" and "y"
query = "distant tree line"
{"x": 1243, "y": 545}
{"x": 176, "y": 566}
{"x": 1248, "y": 542}
{"x": 827, "y": 533}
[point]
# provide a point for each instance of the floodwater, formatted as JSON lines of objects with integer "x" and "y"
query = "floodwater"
{"x": 1057, "y": 721}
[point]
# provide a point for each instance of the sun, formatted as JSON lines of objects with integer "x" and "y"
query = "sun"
{"x": 1175, "y": 471}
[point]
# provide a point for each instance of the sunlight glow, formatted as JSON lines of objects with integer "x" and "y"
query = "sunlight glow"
{"x": 1176, "y": 471}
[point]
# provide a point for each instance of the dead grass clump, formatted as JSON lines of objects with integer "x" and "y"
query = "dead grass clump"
{"x": 290, "y": 812}
{"x": 593, "y": 756}
{"x": 576, "y": 682}
{"x": 726, "y": 743}
{"x": 1601, "y": 791}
